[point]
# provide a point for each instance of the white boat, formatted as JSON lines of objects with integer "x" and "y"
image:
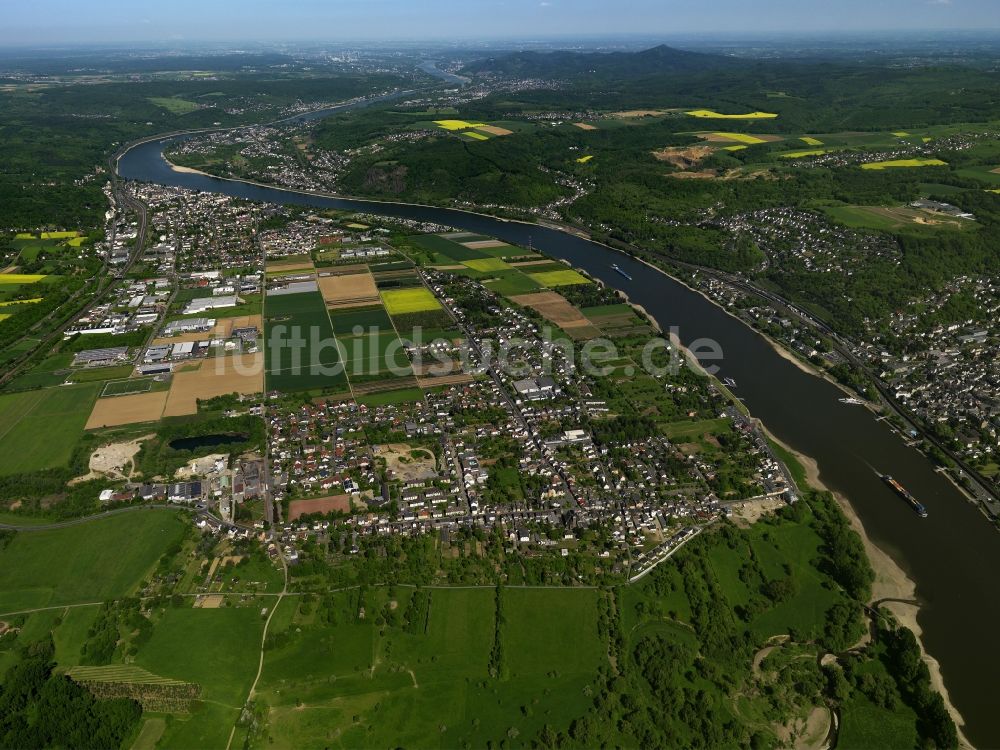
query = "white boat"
{"x": 851, "y": 401}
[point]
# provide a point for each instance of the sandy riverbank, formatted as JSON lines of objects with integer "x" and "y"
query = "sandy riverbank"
{"x": 891, "y": 582}
{"x": 186, "y": 170}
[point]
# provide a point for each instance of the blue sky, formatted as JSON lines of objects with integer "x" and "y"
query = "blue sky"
{"x": 61, "y": 21}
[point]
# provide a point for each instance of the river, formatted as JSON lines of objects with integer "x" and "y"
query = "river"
{"x": 952, "y": 555}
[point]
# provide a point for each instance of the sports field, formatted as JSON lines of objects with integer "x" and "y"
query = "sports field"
{"x": 566, "y": 277}
{"x": 39, "y": 429}
{"x": 412, "y": 300}
{"x": 90, "y": 562}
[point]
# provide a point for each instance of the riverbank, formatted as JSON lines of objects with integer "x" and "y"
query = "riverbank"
{"x": 891, "y": 582}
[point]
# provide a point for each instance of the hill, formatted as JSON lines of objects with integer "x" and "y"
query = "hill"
{"x": 564, "y": 64}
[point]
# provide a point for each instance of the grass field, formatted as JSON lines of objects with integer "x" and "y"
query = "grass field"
{"x": 308, "y": 356}
{"x": 904, "y": 164}
{"x": 124, "y": 387}
{"x": 39, "y": 429}
{"x": 475, "y": 136}
{"x": 889, "y": 218}
{"x": 399, "y": 396}
{"x": 810, "y": 141}
{"x": 584, "y": 159}
{"x": 487, "y": 264}
{"x": 216, "y": 648}
{"x": 566, "y": 277}
{"x": 403, "y": 301}
{"x": 710, "y": 114}
{"x": 173, "y": 105}
{"x": 90, "y": 562}
{"x": 349, "y": 685}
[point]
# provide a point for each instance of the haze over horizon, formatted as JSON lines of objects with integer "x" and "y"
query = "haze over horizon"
{"x": 116, "y": 21}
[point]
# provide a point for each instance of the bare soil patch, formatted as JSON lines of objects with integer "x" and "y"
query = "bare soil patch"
{"x": 348, "y": 290}
{"x": 217, "y": 376}
{"x": 484, "y": 244}
{"x": 457, "y": 379}
{"x": 555, "y": 308}
{"x": 131, "y": 409}
{"x": 706, "y": 174}
{"x": 584, "y": 126}
{"x": 329, "y": 504}
{"x": 494, "y": 130}
{"x": 210, "y": 601}
{"x": 683, "y": 157}
{"x": 407, "y": 463}
{"x": 114, "y": 460}
{"x": 295, "y": 265}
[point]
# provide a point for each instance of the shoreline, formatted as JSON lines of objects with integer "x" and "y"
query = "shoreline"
{"x": 186, "y": 170}
{"x": 891, "y": 582}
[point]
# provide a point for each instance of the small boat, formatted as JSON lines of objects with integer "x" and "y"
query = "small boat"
{"x": 851, "y": 401}
{"x": 729, "y": 382}
{"x": 614, "y": 267}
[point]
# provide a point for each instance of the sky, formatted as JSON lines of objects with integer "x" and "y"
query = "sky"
{"x": 122, "y": 21}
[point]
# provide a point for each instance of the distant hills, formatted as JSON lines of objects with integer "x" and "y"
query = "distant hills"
{"x": 657, "y": 60}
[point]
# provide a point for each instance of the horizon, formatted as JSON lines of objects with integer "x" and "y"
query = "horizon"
{"x": 450, "y": 21}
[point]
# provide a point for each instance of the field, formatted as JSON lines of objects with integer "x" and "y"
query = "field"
{"x": 584, "y": 159}
{"x": 312, "y": 361}
{"x": 348, "y": 322}
{"x": 802, "y": 154}
{"x": 403, "y": 686}
{"x": 486, "y": 264}
{"x": 567, "y": 277}
{"x": 239, "y": 373}
{"x": 475, "y": 136}
{"x": 348, "y": 290}
{"x": 97, "y": 560}
{"x": 39, "y": 429}
{"x": 215, "y": 648}
{"x": 125, "y": 387}
{"x": 457, "y": 124}
{"x": 713, "y": 115}
{"x": 173, "y": 105}
{"x": 318, "y": 505}
{"x": 890, "y": 218}
{"x": 403, "y": 301}
{"x": 128, "y": 409}
{"x": 904, "y": 163}
{"x": 556, "y": 309}
{"x": 810, "y": 141}
{"x": 741, "y": 138}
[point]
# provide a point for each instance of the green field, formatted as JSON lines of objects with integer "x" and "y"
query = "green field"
{"x": 173, "y": 105}
{"x": 216, "y": 648}
{"x": 40, "y": 429}
{"x": 89, "y": 562}
{"x": 351, "y": 685}
{"x": 345, "y": 321}
{"x": 904, "y": 163}
{"x": 487, "y": 264}
{"x": 308, "y": 355}
{"x": 566, "y": 277}
{"x": 445, "y": 250}
{"x": 409, "y": 300}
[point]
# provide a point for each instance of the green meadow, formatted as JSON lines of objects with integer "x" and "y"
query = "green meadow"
{"x": 89, "y": 562}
